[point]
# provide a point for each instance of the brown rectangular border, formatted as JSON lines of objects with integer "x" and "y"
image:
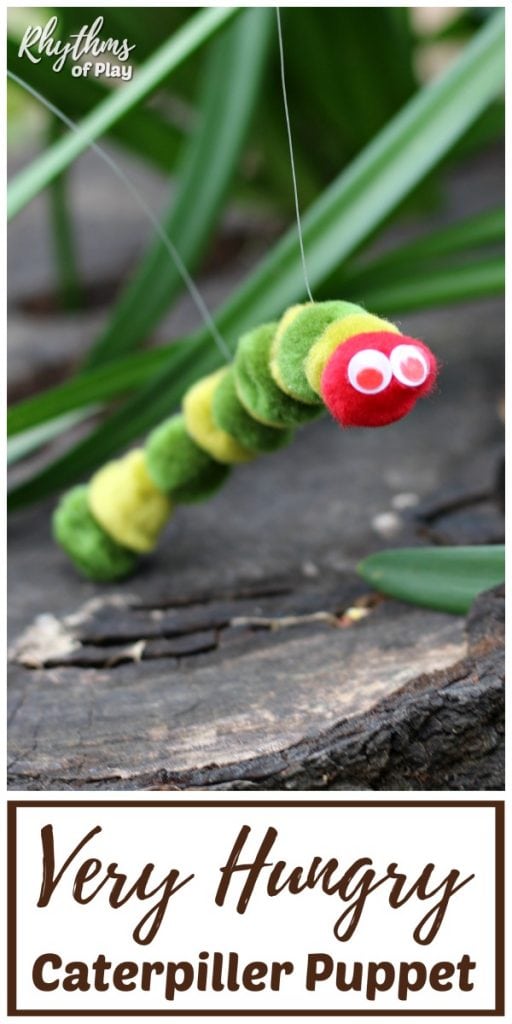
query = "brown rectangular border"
{"x": 499, "y": 817}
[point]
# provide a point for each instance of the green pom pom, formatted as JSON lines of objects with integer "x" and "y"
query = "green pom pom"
{"x": 94, "y": 553}
{"x": 290, "y": 350}
{"x": 178, "y": 466}
{"x": 256, "y": 388}
{"x": 230, "y": 415}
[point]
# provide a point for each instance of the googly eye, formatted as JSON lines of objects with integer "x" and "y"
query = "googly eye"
{"x": 369, "y": 371}
{"x": 409, "y": 365}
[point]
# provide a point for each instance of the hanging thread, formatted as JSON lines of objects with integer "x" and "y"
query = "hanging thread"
{"x": 167, "y": 242}
{"x": 318, "y": 356}
{"x": 292, "y": 161}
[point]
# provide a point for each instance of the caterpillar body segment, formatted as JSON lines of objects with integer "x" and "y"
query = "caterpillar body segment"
{"x": 330, "y": 355}
{"x": 297, "y": 332}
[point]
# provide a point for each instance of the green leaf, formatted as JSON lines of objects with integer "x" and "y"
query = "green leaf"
{"x": 63, "y": 236}
{"x": 482, "y": 229}
{"x": 352, "y": 97}
{"x": 24, "y": 444}
{"x": 208, "y": 167}
{"x": 487, "y": 130}
{"x": 364, "y": 195}
{"x": 422, "y": 287}
{"x": 352, "y": 208}
{"x": 144, "y": 26}
{"x": 143, "y": 131}
{"x": 92, "y": 386}
{"x": 197, "y": 30}
{"x": 447, "y": 579}
{"x": 190, "y": 361}
{"x": 417, "y": 275}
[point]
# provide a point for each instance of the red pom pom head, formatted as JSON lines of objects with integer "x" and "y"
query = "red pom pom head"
{"x": 373, "y": 379}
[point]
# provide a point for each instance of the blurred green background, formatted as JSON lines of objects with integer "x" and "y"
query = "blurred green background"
{"x": 383, "y": 101}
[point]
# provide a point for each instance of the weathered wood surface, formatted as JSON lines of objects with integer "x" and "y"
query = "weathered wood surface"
{"x": 225, "y": 694}
{"x": 232, "y": 660}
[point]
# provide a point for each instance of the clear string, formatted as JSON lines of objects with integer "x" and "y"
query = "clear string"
{"x": 188, "y": 281}
{"x": 292, "y": 161}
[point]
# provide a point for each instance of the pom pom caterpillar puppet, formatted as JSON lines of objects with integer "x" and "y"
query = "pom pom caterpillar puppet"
{"x": 330, "y": 355}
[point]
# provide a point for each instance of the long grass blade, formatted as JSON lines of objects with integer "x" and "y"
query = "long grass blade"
{"x": 99, "y": 385}
{"x": 147, "y": 407}
{"x": 482, "y": 229}
{"x": 423, "y": 287}
{"x": 207, "y": 170}
{"x": 63, "y": 236}
{"x": 21, "y": 445}
{"x": 364, "y": 195}
{"x": 142, "y": 131}
{"x": 197, "y": 30}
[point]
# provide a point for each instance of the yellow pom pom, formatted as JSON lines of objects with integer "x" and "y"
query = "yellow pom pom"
{"x": 200, "y": 424}
{"x": 125, "y": 502}
{"x": 334, "y": 335}
{"x": 285, "y": 321}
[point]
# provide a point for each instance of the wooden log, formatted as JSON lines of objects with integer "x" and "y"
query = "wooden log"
{"x": 285, "y": 690}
